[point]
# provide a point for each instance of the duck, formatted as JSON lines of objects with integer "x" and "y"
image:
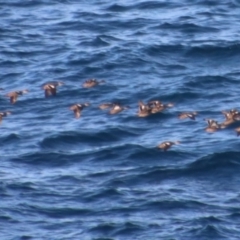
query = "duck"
{"x": 92, "y": 83}
{"x": 213, "y": 126}
{"x": 51, "y": 88}
{"x": 143, "y": 109}
{"x": 235, "y": 113}
{"x": 157, "y": 106}
{"x": 1, "y": 89}
{"x": 238, "y": 131}
{"x": 4, "y": 114}
{"x": 166, "y": 145}
{"x": 230, "y": 117}
{"x": 232, "y": 114}
{"x": 14, "y": 95}
{"x": 153, "y": 103}
{"x": 190, "y": 115}
{"x": 117, "y": 108}
{"x": 77, "y": 108}
{"x": 106, "y": 105}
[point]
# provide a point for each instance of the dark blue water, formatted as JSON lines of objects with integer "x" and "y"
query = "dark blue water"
{"x": 101, "y": 176}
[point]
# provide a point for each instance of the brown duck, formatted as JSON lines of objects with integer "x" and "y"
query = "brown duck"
{"x": 144, "y": 110}
{"x": 117, "y": 108}
{"x": 234, "y": 111}
{"x": 3, "y": 114}
{"x": 185, "y": 115}
{"x": 231, "y": 117}
{"x": 213, "y": 125}
{"x": 106, "y": 105}
{"x": 77, "y": 108}
{"x": 92, "y": 83}
{"x": 14, "y": 95}
{"x": 157, "y": 106}
{"x": 235, "y": 114}
{"x": 166, "y": 145}
{"x": 51, "y": 88}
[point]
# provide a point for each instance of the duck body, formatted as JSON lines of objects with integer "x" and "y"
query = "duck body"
{"x": 143, "y": 109}
{"x": 213, "y": 126}
{"x": 92, "y": 83}
{"x": 106, "y": 105}
{"x": 117, "y": 108}
{"x": 184, "y": 115}
{"x": 157, "y": 106}
{"x": 4, "y": 114}
{"x": 14, "y": 95}
{"x": 77, "y": 108}
{"x": 50, "y": 89}
{"x": 231, "y": 117}
{"x": 166, "y": 145}
{"x": 228, "y": 122}
{"x": 211, "y": 129}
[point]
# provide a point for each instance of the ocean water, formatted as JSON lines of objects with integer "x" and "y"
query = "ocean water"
{"x": 101, "y": 176}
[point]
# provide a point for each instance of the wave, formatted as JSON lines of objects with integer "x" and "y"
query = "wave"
{"x": 166, "y": 205}
{"x": 207, "y": 230}
{"x": 9, "y": 139}
{"x": 59, "y": 212}
{"x": 209, "y": 166}
{"x": 47, "y": 159}
{"x": 187, "y": 27}
{"x": 103, "y": 172}
{"x": 167, "y": 49}
{"x": 27, "y": 3}
{"x": 141, "y": 6}
{"x": 96, "y": 42}
{"x": 109, "y": 135}
{"x": 223, "y": 49}
{"x": 215, "y": 162}
{"x": 109, "y": 193}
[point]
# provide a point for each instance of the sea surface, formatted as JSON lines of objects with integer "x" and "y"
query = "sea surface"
{"x": 101, "y": 177}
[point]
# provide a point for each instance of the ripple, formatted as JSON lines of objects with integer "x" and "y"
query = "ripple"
{"x": 101, "y": 176}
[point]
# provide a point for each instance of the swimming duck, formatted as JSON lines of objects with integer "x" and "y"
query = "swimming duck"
{"x": 231, "y": 114}
{"x": 228, "y": 115}
{"x": 157, "y": 106}
{"x": 238, "y": 131}
{"x": 14, "y": 95}
{"x": 51, "y": 88}
{"x": 236, "y": 114}
{"x": 77, "y": 108}
{"x": 154, "y": 103}
{"x": 3, "y": 114}
{"x": 143, "y": 109}
{"x": 106, "y": 105}
{"x": 190, "y": 115}
{"x": 92, "y": 83}
{"x": 117, "y": 108}
{"x": 231, "y": 117}
{"x": 166, "y": 145}
{"x": 234, "y": 111}
{"x": 213, "y": 125}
